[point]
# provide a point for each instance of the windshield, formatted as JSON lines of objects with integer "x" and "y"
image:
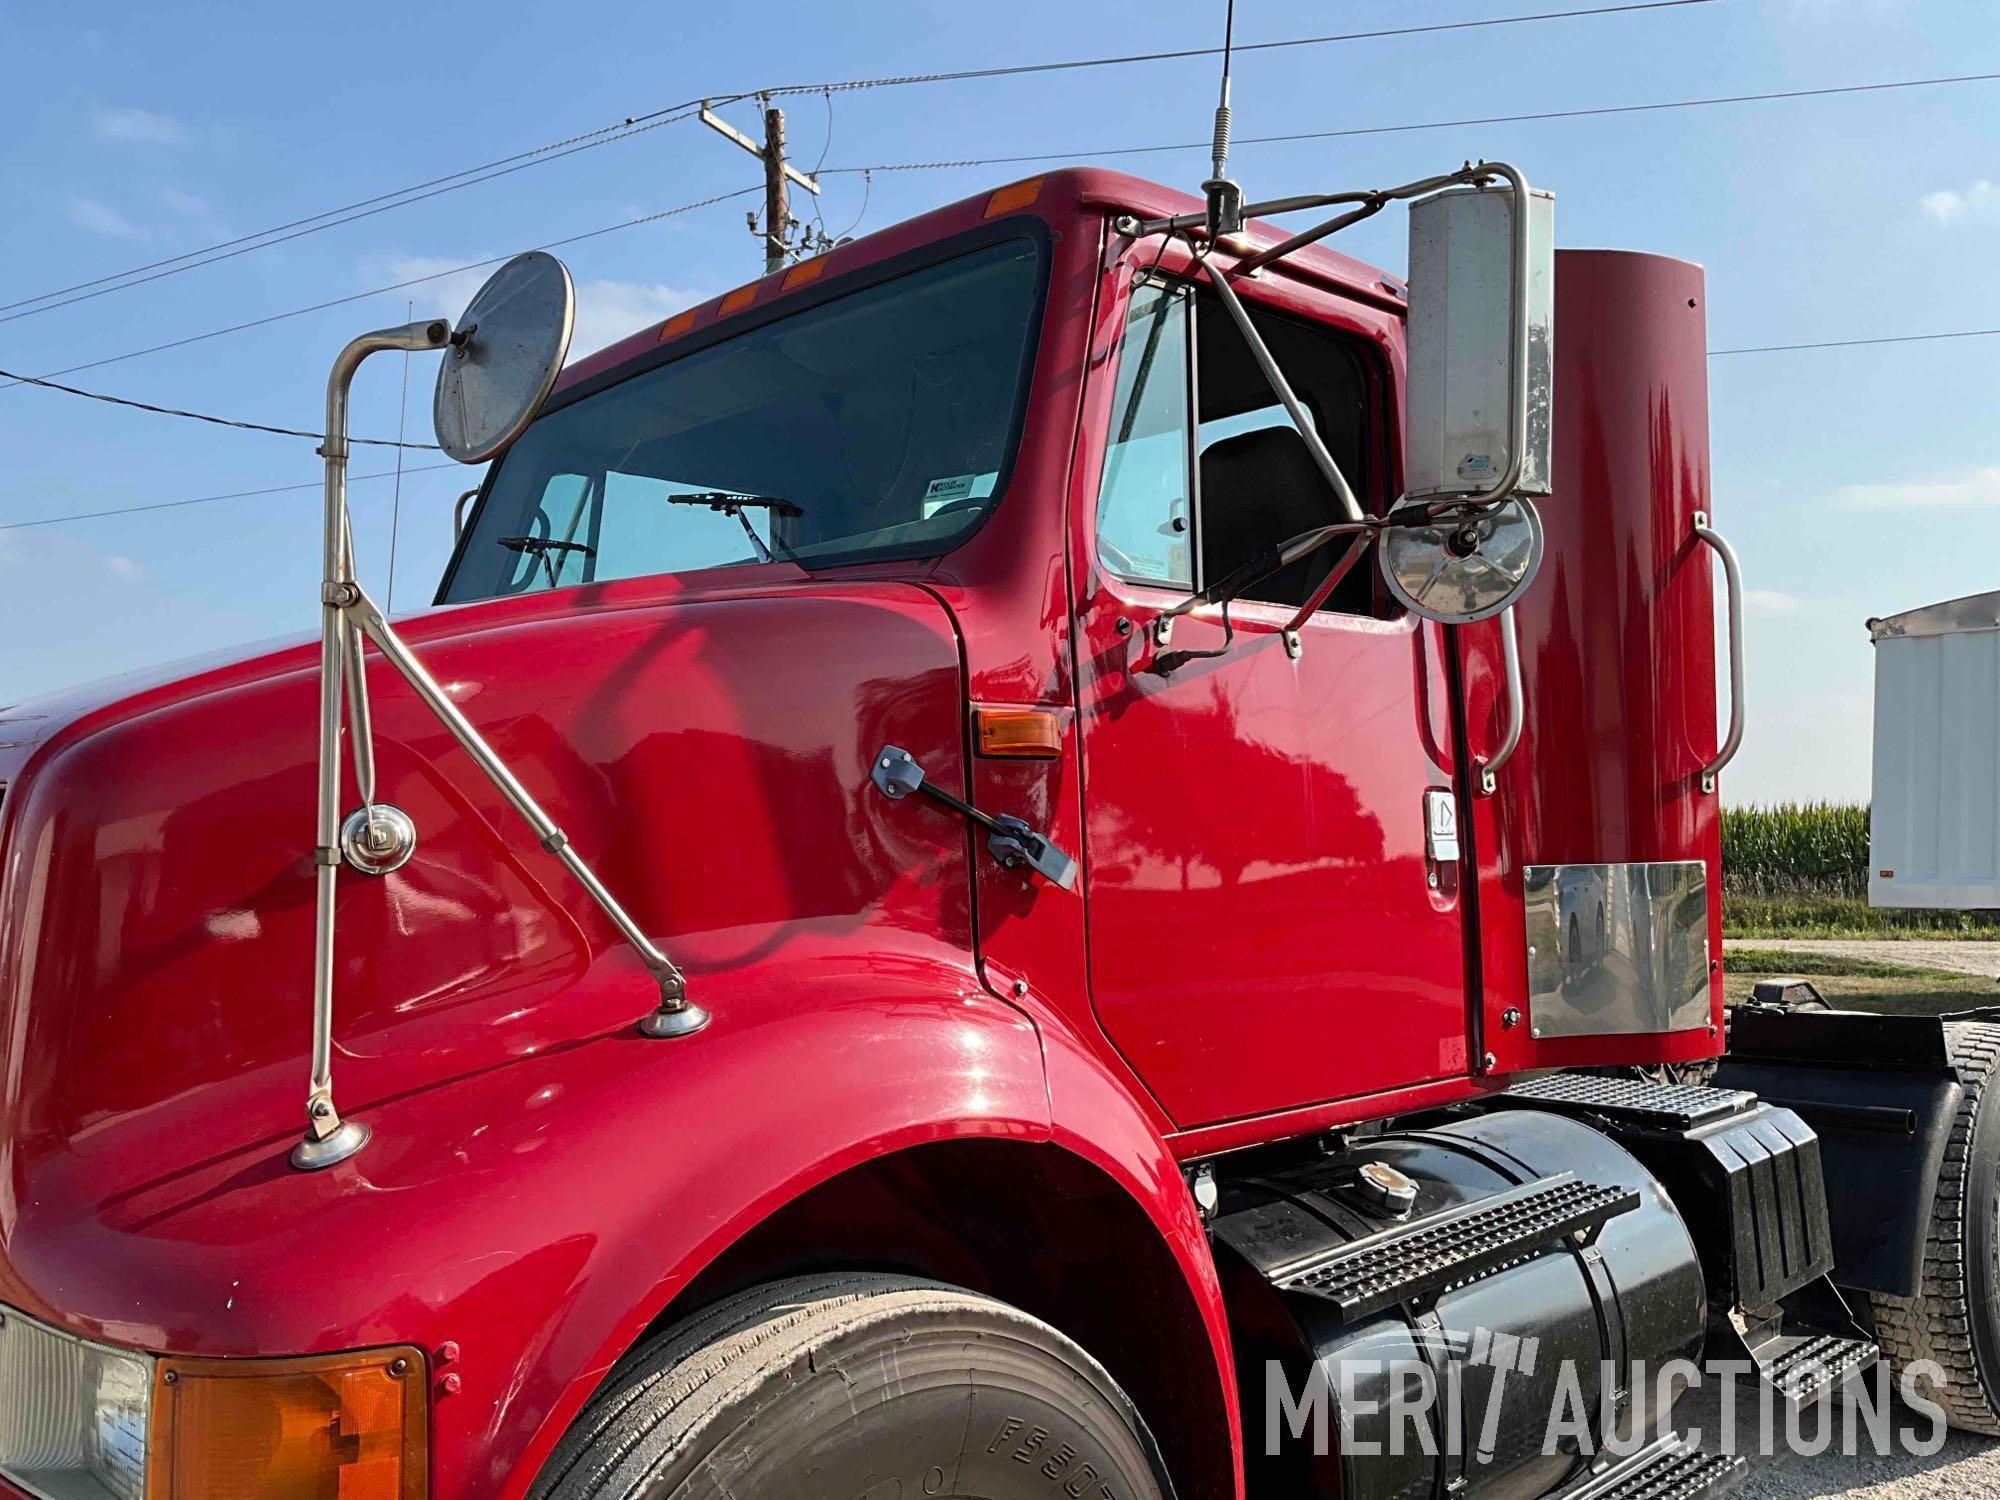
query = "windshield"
{"x": 875, "y": 425}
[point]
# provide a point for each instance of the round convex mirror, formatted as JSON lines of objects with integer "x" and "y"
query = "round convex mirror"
{"x": 1465, "y": 568}
{"x": 504, "y": 356}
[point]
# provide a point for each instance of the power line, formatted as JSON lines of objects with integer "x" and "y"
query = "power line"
{"x": 633, "y": 125}
{"x": 1900, "y": 338}
{"x": 1360, "y": 130}
{"x": 1017, "y": 70}
{"x": 329, "y": 223}
{"x": 1904, "y": 338}
{"x": 200, "y": 416}
{"x": 929, "y": 166}
{"x": 276, "y": 489}
{"x": 677, "y": 110}
{"x": 394, "y": 286}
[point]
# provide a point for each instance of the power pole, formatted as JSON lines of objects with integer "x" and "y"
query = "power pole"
{"x": 777, "y": 202}
{"x": 778, "y": 173}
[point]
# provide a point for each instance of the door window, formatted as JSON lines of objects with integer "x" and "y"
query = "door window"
{"x": 1145, "y": 515}
{"x": 1181, "y": 513}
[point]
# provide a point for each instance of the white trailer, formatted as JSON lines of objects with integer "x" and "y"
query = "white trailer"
{"x": 1934, "y": 833}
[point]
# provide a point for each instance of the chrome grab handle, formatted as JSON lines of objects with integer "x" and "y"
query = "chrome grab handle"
{"x": 1517, "y": 707}
{"x": 1732, "y": 574}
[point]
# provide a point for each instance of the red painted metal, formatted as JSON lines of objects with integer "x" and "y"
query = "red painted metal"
{"x": 1264, "y": 934}
{"x": 1617, "y": 637}
{"x": 1255, "y": 952}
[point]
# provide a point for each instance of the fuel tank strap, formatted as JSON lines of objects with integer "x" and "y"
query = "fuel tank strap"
{"x": 1396, "y": 1265}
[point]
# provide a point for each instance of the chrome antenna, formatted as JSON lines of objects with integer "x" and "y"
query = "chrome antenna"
{"x": 1225, "y": 198}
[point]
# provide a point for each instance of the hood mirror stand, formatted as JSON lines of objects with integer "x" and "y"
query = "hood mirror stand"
{"x": 483, "y": 405}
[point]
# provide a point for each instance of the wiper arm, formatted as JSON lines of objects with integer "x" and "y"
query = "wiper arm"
{"x": 544, "y": 548}
{"x": 731, "y": 503}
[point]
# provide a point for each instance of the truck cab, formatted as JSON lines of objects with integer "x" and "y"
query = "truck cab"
{"x": 1341, "y": 889}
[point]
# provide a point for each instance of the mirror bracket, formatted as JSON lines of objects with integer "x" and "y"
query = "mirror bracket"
{"x": 481, "y": 407}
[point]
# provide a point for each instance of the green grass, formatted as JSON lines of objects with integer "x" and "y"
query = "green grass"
{"x": 1807, "y": 916}
{"x": 1800, "y": 869}
{"x": 1858, "y": 983}
{"x": 1761, "y": 962}
{"x": 1926, "y": 992}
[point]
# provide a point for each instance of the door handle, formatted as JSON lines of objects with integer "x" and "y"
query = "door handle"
{"x": 1732, "y": 577}
{"x": 1517, "y": 706}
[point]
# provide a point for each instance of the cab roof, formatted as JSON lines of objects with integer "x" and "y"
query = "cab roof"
{"x": 1057, "y": 197}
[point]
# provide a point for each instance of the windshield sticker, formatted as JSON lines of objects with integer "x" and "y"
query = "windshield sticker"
{"x": 943, "y": 492}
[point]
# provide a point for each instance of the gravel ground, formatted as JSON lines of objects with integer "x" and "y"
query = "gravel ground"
{"x": 1916, "y": 953}
{"x": 1966, "y": 1467}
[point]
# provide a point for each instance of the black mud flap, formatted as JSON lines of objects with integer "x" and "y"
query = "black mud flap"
{"x": 1881, "y": 1094}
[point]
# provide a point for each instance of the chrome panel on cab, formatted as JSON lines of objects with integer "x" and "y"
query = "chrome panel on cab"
{"x": 1617, "y": 950}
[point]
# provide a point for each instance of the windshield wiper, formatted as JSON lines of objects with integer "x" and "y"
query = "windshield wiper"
{"x": 544, "y": 547}
{"x": 732, "y": 503}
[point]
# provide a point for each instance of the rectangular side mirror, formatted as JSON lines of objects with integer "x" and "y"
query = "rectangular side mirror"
{"x": 1477, "y": 392}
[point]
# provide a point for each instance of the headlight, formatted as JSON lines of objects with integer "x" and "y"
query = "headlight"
{"x": 73, "y": 1414}
{"x": 83, "y": 1421}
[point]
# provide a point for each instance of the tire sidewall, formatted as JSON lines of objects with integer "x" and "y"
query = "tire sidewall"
{"x": 1980, "y": 1246}
{"x": 1014, "y": 1436}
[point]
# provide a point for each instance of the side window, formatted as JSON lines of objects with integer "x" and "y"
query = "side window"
{"x": 1145, "y": 519}
{"x": 1203, "y": 469}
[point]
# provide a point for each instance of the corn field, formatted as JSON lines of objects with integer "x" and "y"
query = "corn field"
{"x": 1800, "y": 869}
{"x": 1795, "y": 849}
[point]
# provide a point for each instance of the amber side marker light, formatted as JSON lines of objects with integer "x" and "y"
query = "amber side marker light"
{"x": 327, "y": 1427}
{"x": 1017, "y": 733}
{"x": 1015, "y": 195}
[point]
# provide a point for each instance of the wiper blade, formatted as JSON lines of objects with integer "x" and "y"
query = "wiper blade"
{"x": 730, "y": 500}
{"x": 732, "y": 503}
{"x": 545, "y": 548}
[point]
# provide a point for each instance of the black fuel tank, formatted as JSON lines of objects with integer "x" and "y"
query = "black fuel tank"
{"x": 1524, "y": 1227}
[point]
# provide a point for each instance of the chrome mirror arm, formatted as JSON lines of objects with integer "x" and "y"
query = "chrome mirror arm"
{"x": 346, "y": 615}
{"x": 1365, "y": 205}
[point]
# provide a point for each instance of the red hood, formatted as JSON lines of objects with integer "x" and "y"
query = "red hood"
{"x": 707, "y": 749}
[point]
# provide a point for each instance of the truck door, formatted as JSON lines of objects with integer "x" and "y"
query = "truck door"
{"x": 1268, "y": 927}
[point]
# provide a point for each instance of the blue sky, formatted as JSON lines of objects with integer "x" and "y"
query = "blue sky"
{"x": 1855, "y": 482}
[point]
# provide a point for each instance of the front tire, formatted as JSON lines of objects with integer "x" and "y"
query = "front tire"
{"x": 1954, "y": 1321}
{"x": 854, "y": 1386}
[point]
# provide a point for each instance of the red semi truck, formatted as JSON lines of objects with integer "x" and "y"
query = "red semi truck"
{"x": 1097, "y": 996}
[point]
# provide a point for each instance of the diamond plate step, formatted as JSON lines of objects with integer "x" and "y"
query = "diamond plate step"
{"x": 1424, "y": 1255}
{"x": 1815, "y": 1363}
{"x": 1670, "y": 1469}
{"x": 1672, "y": 1106}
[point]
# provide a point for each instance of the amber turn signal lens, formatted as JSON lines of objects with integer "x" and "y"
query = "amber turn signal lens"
{"x": 328, "y": 1427}
{"x": 1018, "y": 733}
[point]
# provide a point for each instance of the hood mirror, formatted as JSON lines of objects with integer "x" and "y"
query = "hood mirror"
{"x": 504, "y": 356}
{"x": 1465, "y": 567}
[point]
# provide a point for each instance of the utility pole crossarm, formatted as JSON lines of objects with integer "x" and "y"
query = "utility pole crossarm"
{"x": 722, "y": 127}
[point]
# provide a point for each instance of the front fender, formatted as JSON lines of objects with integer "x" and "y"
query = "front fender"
{"x": 632, "y": 1168}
